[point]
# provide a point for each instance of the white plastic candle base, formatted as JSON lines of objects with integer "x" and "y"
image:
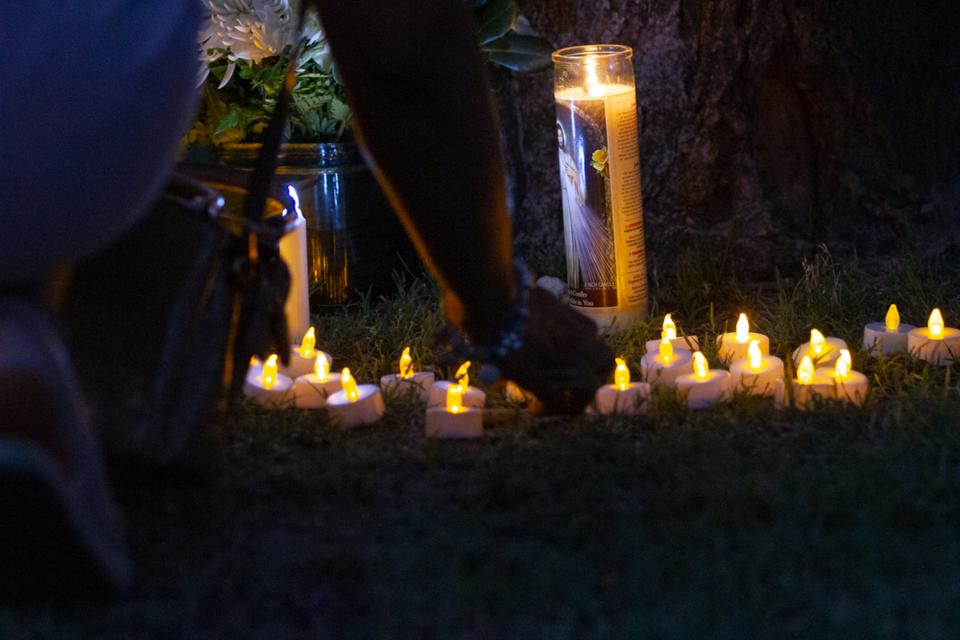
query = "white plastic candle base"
{"x": 730, "y": 350}
{"x": 300, "y": 366}
{"x": 878, "y": 341}
{"x": 829, "y": 354}
{"x": 805, "y": 396}
{"x": 472, "y": 397}
{"x": 466, "y": 423}
{"x": 687, "y": 343}
{"x": 277, "y": 396}
{"x": 764, "y": 381}
{"x": 657, "y": 373}
{"x": 367, "y": 409}
{"x": 422, "y": 382}
{"x": 610, "y": 399}
{"x": 940, "y": 351}
{"x": 310, "y": 393}
{"x": 703, "y": 392}
{"x": 852, "y": 389}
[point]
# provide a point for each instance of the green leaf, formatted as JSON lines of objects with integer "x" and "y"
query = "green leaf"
{"x": 495, "y": 19}
{"x": 229, "y": 121}
{"x": 523, "y": 54}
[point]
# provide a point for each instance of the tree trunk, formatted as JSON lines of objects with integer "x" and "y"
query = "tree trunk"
{"x": 767, "y": 127}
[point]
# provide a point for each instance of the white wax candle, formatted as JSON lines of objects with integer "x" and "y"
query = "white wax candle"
{"x": 421, "y": 382}
{"x": 735, "y": 345}
{"x": 275, "y": 395}
{"x": 823, "y": 353}
{"x": 293, "y": 251}
{"x": 611, "y": 399}
{"x": 310, "y": 392}
{"x": 301, "y": 365}
{"x": 887, "y": 337}
{"x": 465, "y": 423}
{"x": 764, "y": 380}
{"x": 657, "y": 372}
{"x": 366, "y": 409}
{"x": 472, "y": 397}
{"x": 943, "y": 350}
{"x": 704, "y": 386}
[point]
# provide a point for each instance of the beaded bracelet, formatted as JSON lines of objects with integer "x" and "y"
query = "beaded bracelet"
{"x": 511, "y": 339}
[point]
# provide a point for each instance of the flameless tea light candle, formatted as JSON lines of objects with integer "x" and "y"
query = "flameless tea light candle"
{"x": 303, "y": 357}
{"x": 811, "y": 383}
{"x": 848, "y": 385}
{"x": 622, "y": 396}
{"x": 472, "y": 397}
{"x": 355, "y": 405}
{"x": 669, "y": 331}
{"x": 823, "y": 351}
{"x": 408, "y": 378}
{"x": 759, "y": 374}
{"x": 704, "y": 386}
{"x": 454, "y": 420}
{"x": 666, "y": 364}
{"x": 888, "y": 336}
{"x": 735, "y": 345}
{"x": 312, "y": 390}
{"x": 935, "y": 343}
{"x": 265, "y": 385}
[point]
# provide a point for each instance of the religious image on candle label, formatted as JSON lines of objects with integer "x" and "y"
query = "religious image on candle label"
{"x": 587, "y": 203}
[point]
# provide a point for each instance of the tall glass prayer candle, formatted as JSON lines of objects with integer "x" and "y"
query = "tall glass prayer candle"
{"x": 595, "y": 94}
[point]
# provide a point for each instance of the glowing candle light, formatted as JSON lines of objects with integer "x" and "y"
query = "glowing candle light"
{"x": 311, "y": 391}
{"x": 472, "y": 396}
{"x": 936, "y": 343}
{"x": 623, "y": 396}
{"x": 666, "y": 351}
{"x": 454, "y": 420}
{"x": 823, "y": 351}
{"x": 805, "y": 371}
{"x": 664, "y": 363}
{"x": 408, "y": 380}
{"x": 455, "y": 399}
{"x": 704, "y": 386}
{"x": 755, "y": 355}
{"x": 733, "y": 346}
{"x": 308, "y": 343}
{"x": 887, "y": 337}
{"x": 811, "y": 384}
{"x": 355, "y": 404}
{"x": 758, "y": 374}
{"x": 668, "y": 331}
{"x": 303, "y": 356}
{"x": 265, "y": 384}
{"x": 849, "y": 385}
{"x": 817, "y": 342}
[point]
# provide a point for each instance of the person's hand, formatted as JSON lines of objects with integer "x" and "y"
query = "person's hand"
{"x": 562, "y": 360}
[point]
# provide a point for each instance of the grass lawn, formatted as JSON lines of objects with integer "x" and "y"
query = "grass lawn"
{"x": 741, "y": 521}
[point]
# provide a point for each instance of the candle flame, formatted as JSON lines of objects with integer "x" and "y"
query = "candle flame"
{"x": 455, "y": 398}
{"x": 349, "y": 385}
{"x": 269, "y": 378}
{"x": 321, "y": 367}
{"x": 593, "y": 83}
{"x": 621, "y": 377}
{"x": 308, "y": 343}
{"x": 406, "y": 364}
{"x": 935, "y": 324}
{"x": 743, "y": 329}
{"x": 817, "y": 342}
{"x": 700, "y": 367}
{"x": 463, "y": 374}
{"x": 669, "y": 328}
{"x": 666, "y": 351}
{"x": 754, "y": 355}
{"x": 805, "y": 371}
{"x": 893, "y": 319}
{"x": 844, "y": 362}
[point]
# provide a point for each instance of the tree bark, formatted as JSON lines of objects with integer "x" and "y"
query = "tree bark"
{"x": 767, "y": 127}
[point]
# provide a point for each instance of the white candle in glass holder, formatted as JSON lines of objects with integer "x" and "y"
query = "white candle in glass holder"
{"x": 623, "y": 396}
{"x": 355, "y": 405}
{"x": 471, "y": 396}
{"x": 758, "y": 373}
{"x": 669, "y": 331}
{"x": 311, "y": 391}
{"x": 734, "y": 345}
{"x": 704, "y": 386}
{"x": 848, "y": 385}
{"x": 265, "y": 385}
{"x": 421, "y": 381}
{"x": 664, "y": 366}
{"x": 822, "y": 351}
{"x": 889, "y": 336}
{"x": 303, "y": 357}
{"x": 454, "y": 420}
{"x": 935, "y": 343}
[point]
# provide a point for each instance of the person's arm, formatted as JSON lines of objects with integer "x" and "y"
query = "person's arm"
{"x": 423, "y": 109}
